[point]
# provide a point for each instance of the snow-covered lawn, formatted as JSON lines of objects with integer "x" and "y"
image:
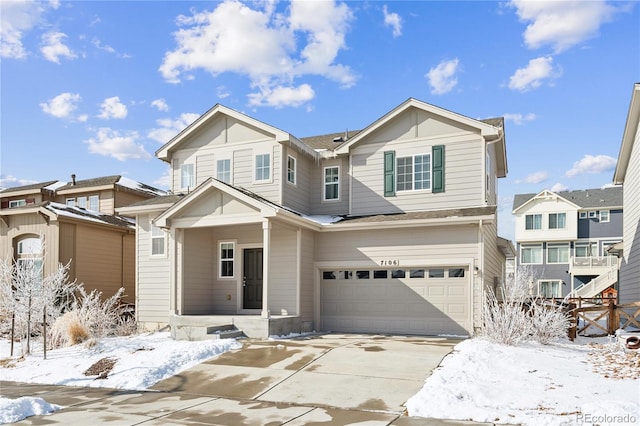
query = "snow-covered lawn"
{"x": 587, "y": 382}
{"x": 140, "y": 362}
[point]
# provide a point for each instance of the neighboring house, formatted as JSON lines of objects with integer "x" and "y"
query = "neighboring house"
{"x": 627, "y": 173}
{"x": 78, "y": 223}
{"x": 563, "y": 239}
{"x": 391, "y": 229}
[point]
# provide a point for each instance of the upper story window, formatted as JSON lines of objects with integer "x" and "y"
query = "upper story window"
{"x": 94, "y": 203}
{"x": 331, "y": 183}
{"x": 557, "y": 220}
{"x": 17, "y": 203}
{"x": 187, "y": 176}
{"x": 413, "y": 173}
{"x": 531, "y": 254}
{"x": 557, "y": 253}
{"x": 583, "y": 215}
{"x": 71, "y": 202}
{"x": 592, "y": 214}
{"x": 81, "y": 202}
{"x": 604, "y": 215}
{"x": 157, "y": 241}
{"x": 291, "y": 170}
{"x": 586, "y": 249}
{"x": 263, "y": 167}
{"x": 533, "y": 221}
{"x": 223, "y": 170}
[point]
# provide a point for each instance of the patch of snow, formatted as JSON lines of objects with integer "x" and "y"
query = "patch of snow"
{"x": 530, "y": 384}
{"x": 138, "y": 186}
{"x": 292, "y": 336}
{"x": 84, "y": 214}
{"x": 55, "y": 185}
{"x": 323, "y": 219}
{"x": 142, "y": 361}
{"x": 14, "y": 410}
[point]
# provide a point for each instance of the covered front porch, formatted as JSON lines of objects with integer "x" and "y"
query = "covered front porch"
{"x": 237, "y": 264}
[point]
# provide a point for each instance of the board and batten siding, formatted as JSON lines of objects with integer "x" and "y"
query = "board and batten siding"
{"x": 630, "y": 268}
{"x": 462, "y": 169}
{"x": 198, "y": 261}
{"x": 153, "y": 286}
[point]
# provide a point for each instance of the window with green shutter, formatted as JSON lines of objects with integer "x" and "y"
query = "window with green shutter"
{"x": 389, "y": 174}
{"x": 438, "y": 168}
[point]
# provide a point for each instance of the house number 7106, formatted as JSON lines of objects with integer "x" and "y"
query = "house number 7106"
{"x": 394, "y": 262}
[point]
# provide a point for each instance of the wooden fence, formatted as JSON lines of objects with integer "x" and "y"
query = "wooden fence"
{"x": 587, "y": 316}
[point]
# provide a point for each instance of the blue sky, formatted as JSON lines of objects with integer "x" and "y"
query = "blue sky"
{"x": 96, "y": 87}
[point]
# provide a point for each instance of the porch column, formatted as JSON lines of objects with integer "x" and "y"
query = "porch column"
{"x": 266, "y": 249}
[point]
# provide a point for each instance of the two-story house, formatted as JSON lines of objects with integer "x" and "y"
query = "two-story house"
{"x": 563, "y": 239}
{"x": 627, "y": 174}
{"x": 391, "y": 229}
{"x": 78, "y": 223}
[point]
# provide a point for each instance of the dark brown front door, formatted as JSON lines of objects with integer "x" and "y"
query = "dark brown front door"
{"x": 252, "y": 279}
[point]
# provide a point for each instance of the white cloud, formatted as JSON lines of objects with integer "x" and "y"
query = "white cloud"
{"x": 562, "y": 24}
{"x": 282, "y": 96}
{"x": 533, "y": 75}
{"x": 16, "y": 19}
{"x": 121, "y": 146}
{"x": 160, "y": 104}
{"x": 53, "y": 47}
{"x": 536, "y": 177}
{"x": 63, "y": 106}
{"x": 109, "y": 49}
{"x": 170, "y": 128}
{"x": 271, "y": 49}
{"x": 164, "y": 181}
{"x": 222, "y": 92}
{"x": 113, "y": 108}
{"x": 393, "y": 20}
{"x": 9, "y": 181}
{"x": 592, "y": 164}
{"x": 442, "y": 78}
{"x": 519, "y": 119}
{"x": 559, "y": 187}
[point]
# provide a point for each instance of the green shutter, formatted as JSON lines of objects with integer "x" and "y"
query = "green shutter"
{"x": 389, "y": 173}
{"x": 438, "y": 168}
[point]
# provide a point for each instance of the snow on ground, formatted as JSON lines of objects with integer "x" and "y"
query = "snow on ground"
{"x": 140, "y": 362}
{"x": 532, "y": 384}
{"x": 14, "y": 410}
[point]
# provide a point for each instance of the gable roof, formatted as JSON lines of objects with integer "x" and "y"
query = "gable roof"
{"x": 34, "y": 187}
{"x": 218, "y": 109}
{"x": 610, "y": 197}
{"x": 628, "y": 137}
{"x": 329, "y": 141}
{"x": 109, "y": 181}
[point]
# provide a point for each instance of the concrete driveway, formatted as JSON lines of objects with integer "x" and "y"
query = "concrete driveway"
{"x": 321, "y": 380}
{"x": 372, "y": 373}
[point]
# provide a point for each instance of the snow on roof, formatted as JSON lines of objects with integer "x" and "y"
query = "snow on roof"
{"x": 55, "y": 185}
{"x": 323, "y": 219}
{"x": 138, "y": 186}
{"x": 90, "y": 215}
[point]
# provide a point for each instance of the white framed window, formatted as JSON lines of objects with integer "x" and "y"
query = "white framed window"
{"x": 94, "y": 203}
{"x": 583, "y": 215}
{"x": 557, "y": 220}
{"x": 413, "y": 173}
{"x": 81, "y": 202}
{"x": 291, "y": 170}
{"x": 533, "y": 221}
{"x": 157, "y": 241}
{"x": 29, "y": 258}
{"x": 331, "y": 183}
{"x": 557, "y": 253}
{"x": 17, "y": 203}
{"x": 226, "y": 259}
{"x": 263, "y": 167}
{"x": 549, "y": 288}
{"x": 30, "y": 246}
{"x": 71, "y": 202}
{"x": 223, "y": 170}
{"x": 531, "y": 254}
{"x": 586, "y": 249}
{"x": 593, "y": 214}
{"x": 604, "y": 216}
{"x": 187, "y": 176}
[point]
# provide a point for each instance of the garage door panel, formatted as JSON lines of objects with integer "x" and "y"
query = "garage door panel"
{"x": 401, "y": 305}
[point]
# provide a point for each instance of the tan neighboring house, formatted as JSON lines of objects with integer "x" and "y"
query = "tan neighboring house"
{"x": 79, "y": 224}
{"x": 391, "y": 229}
{"x": 627, "y": 173}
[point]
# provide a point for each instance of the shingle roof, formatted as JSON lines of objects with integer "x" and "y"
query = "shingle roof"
{"x": 438, "y": 214}
{"x": 585, "y": 198}
{"x": 164, "y": 199}
{"x": 33, "y": 186}
{"x": 99, "y": 181}
{"x": 329, "y": 141}
{"x": 88, "y": 215}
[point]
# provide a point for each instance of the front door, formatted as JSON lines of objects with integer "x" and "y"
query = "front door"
{"x": 252, "y": 279}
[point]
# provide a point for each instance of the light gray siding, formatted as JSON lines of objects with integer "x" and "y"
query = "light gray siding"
{"x": 297, "y": 196}
{"x": 307, "y": 276}
{"x": 283, "y": 293}
{"x": 630, "y": 268}
{"x": 198, "y": 271}
{"x": 331, "y": 207}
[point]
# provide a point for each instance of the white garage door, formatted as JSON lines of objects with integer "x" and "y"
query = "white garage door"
{"x": 426, "y": 301}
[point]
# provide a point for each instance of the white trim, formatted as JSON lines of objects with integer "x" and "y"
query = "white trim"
{"x": 413, "y": 173}
{"x": 550, "y": 280}
{"x": 558, "y": 245}
{"x": 269, "y": 178}
{"x": 239, "y": 286}
{"x": 601, "y": 220}
{"x": 17, "y": 203}
{"x": 583, "y": 215}
{"x": 295, "y": 170}
{"x": 193, "y": 176}
{"x": 324, "y": 183}
{"x": 230, "y": 160}
{"x": 157, "y": 237}
{"x": 233, "y": 259}
{"x": 538, "y": 245}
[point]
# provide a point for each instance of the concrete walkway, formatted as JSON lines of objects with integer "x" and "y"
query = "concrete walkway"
{"x": 328, "y": 379}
